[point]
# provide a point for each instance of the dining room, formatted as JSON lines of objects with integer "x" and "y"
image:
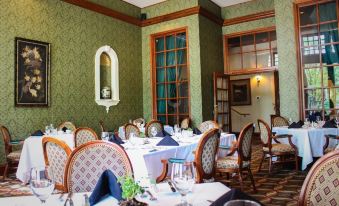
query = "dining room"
{"x": 169, "y": 102}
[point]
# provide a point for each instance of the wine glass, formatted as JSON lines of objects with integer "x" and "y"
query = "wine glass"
{"x": 42, "y": 182}
{"x": 154, "y": 131}
{"x": 105, "y": 136}
{"x": 183, "y": 179}
{"x": 318, "y": 118}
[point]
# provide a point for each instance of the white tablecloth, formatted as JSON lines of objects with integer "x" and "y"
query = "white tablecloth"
{"x": 199, "y": 196}
{"x": 32, "y": 154}
{"x": 309, "y": 141}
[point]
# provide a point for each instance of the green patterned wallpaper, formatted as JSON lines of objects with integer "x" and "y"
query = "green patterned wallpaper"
{"x": 120, "y": 6}
{"x": 75, "y": 34}
{"x": 247, "y": 8}
{"x": 211, "y": 54}
{"x": 247, "y": 26}
{"x": 192, "y": 24}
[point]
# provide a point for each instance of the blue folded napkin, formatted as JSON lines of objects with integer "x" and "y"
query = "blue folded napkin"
{"x": 295, "y": 125}
{"x": 64, "y": 129}
{"x": 329, "y": 124}
{"x": 233, "y": 194}
{"x": 115, "y": 139}
{"x": 37, "y": 133}
{"x": 196, "y": 131}
{"x": 168, "y": 141}
{"x": 106, "y": 185}
{"x": 162, "y": 134}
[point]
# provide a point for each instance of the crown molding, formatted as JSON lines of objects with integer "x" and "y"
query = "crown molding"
{"x": 251, "y": 17}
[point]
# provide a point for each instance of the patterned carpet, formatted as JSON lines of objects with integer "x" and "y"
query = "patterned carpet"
{"x": 282, "y": 187}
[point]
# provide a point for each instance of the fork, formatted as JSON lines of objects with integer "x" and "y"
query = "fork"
{"x": 151, "y": 197}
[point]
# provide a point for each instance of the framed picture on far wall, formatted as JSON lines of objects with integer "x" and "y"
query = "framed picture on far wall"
{"x": 240, "y": 92}
{"x": 32, "y": 72}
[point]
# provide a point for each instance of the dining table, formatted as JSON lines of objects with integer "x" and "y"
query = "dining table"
{"x": 308, "y": 140}
{"x": 144, "y": 154}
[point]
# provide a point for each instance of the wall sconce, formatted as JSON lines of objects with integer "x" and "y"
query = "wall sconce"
{"x": 258, "y": 78}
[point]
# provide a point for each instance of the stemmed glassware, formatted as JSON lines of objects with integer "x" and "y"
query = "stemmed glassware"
{"x": 42, "y": 182}
{"x": 105, "y": 136}
{"x": 183, "y": 179}
{"x": 154, "y": 131}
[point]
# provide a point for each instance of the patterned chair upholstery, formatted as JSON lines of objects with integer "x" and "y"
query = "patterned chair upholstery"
{"x": 321, "y": 184}
{"x": 12, "y": 157}
{"x": 68, "y": 125}
{"x": 326, "y": 147}
{"x": 153, "y": 123}
{"x": 203, "y": 127}
{"x": 278, "y": 121}
{"x": 185, "y": 123}
{"x": 204, "y": 158}
{"x": 88, "y": 161}
{"x": 139, "y": 121}
{"x": 83, "y": 135}
{"x": 56, "y": 153}
{"x": 286, "y": 152}
{"x": 131, "y": 128}
{"x": 231, "y": 164}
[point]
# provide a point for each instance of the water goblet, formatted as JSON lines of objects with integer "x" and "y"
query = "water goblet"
{"x": 42, "y": 182}
{"x": 105, "y": 136}
{"x": 154, "y": 131}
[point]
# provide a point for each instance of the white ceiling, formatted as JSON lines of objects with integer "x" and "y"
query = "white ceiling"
{"x": 145, "y": 3}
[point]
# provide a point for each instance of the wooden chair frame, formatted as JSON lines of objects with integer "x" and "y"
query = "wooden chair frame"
{"x": 84, "y": 128}
{"x": 67, "y": 150}
{"x": 139, "y": 120}
{"x": 273, "y": 116}
{"x": 241, "y": 158}
{"x": 316, "y": 167}
{"x": 209, "y": 121}
{"x": 327, "y": 140}
{"x": 67, "y": 122}
{"x": 83, "y": 147}
{"x": 201, "y": 175}
{"x": 131, "y": 125}
{"x": 149, "y": 124}
{"x": 271, "y": 154}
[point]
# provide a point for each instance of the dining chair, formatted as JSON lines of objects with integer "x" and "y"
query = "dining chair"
{"x": 68, "y": 125}
{"x": 326, "y": 147}
{"x": 139, "y": 121}
{"x": 238, "y": 164}
{"x": 154, "y": 123}
{"x": 88, "y": 161}
{"x": 204, "y": 159}
{"x": 204, "y": 126}
{"x": 284, "y": 152}
{"x": 321, "y": 184}
{"x": 185, "y": 123}
{"x": 56, "y": 153}
{"x": 131, "y": 128}
{"x": 12, "y": 156}
{"x": 278, "y": 121}
{"x": 83, "y": 135}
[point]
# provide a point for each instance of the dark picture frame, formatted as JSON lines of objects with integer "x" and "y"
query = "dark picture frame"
{"x": 32, "y": 73}
{"x": 240, "y": 92}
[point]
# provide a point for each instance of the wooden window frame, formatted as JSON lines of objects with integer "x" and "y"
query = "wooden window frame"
{"x": 154, "y": 75}
{"x": 302, "y": 107}
{"x": 227, "y": 69}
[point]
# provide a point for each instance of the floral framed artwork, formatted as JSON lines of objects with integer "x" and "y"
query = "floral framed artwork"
{"x": 32, "y": 72}
{"x": 240, "y": 92}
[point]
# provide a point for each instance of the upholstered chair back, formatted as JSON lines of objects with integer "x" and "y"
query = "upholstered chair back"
{"x": 139, "y": 121}
{"x": 205, "y": 155}
{"x": 265, "y": 132}
{"x": 131, "y": 128}
{"x": 278, "y": 121}
{"x": 245, "y": 142}
{"x": 68, "y": 125}
{"x": 203, "y": 127}
{"x": 185, "y": 123}
{"x": 150, "y": 125}
{"x": 88, "y": 161}
{"x": 321, "y": 184}
{"x": 56, "y": 153}
{"x": 83, "y": 135}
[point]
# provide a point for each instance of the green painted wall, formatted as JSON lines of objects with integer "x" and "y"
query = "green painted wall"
{"x": 75, "y": 34}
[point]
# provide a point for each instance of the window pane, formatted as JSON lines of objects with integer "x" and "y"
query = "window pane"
{"x": 161, "y": 91}
{"x": 183, "y": 106}
{"x": 309, "y": 36}
{"x": 171, "y": 74}
{"x": 249, "y": 60}
{"x": 235, "y": 62}
{"x": 312, "y": 78}
{"x": 162, "y": 119}
{"x": 160, "y": 60}
{"x": 263, "y": 59}
{"x": 181, "y": 57}
{"x": 183, "y": 89}
{"x": 160, "y": 75}
{"x": 330, "y": 98}
{"x": 247, "y": 43}
{"x": 330, "y": 54}
{"x": 273, "y": 38}
{"x": 234, "y": 45}
{"x": 159, "y": 44}
{"x": 161, "y": 105}
{"x": 170, "y": 58}
{"x": 310, "y": 55}
{"x": 172, "y": 120}
{"x": 328, "y": 11}
{"x": 171, "y": 91}
{"x": 308, "y": 15}
{"x": 181, "y": 40}
{"x": 182, "y": 73}
{"x": 313, "y": 99}
{"x": 329, "y": 33}
{"x": 331, "y": 76}
{"x": 261, "y": 40}
{"x": 172, "y": 106}
{"x": 275, "y": 57}
{"x": 170, "y": 42}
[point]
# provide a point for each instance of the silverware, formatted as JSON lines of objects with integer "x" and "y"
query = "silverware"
{"x": 211, "y": 201}
{"x": 61, "y": 197}
{"x": 69, "y": 198}
{"x": 171, "y": 186}
{"x": 151, "y": 197}
{"x": 86, "y": 200}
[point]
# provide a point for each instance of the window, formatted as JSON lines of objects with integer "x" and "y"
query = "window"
{"x": 170, "y": 77}
{"x": 251, "y": 51}
{"x": 319, "y": 58}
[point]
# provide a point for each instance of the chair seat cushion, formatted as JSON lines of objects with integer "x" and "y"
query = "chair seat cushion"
{"x": 230, "y": 162}
{"x": 280, "y": 148}
{"x": 15, "y": 155}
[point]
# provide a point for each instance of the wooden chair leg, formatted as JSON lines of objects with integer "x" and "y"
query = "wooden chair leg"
{"x": 241, "y": 180}
{"x": 252, "y": 180}
{"x": 5, "y": 172}
{"x": 262, "y": 160}
{"x": 270, "y": 165}
{"x": 296, "y": 162}
{"x": 164, "y": 171}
